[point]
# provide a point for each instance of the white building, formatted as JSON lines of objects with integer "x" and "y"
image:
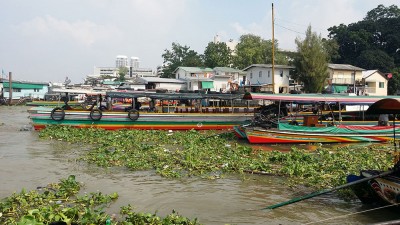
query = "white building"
{"x": 121, "y": 61}
{"x": 154, "y": 83}
{"x": 196, "y": 78}
{"x": 262, "y": 77}
{"x": 375, "y": 82}
{"x": 227, "y": 79}
{"x": 134, "y": 63}
{"x": 24, "y": 89}
{"x": 105, "y": 71}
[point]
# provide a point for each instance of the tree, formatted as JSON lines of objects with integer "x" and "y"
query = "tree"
{"x": 217, "y": 54}
{"x": 382, "y": 12}
{"x": 332, "y": 49}
{"x": 375, "y": 59}
{"x": 311, "y": 62}
{"x": 122, "y": 71}
{"x": 179, "y": 56}
{"x": 378, "y": 31}
{"x": 252, "y": 49}
{"x": 394, "y": 82}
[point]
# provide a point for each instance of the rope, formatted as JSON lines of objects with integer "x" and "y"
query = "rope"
{"x": 350, "y": 214}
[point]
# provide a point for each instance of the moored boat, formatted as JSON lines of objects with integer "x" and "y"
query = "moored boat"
{"x": 166, "y": 111}
{"x": 382, "y": 187}
{"x": 271, "y": 129}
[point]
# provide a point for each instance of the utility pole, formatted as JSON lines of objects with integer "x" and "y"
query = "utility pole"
{"x": 10, "y": 89}
{"x": 273, "y": 51}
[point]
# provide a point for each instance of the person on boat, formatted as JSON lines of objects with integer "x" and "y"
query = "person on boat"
{"x": 383, "y": 120}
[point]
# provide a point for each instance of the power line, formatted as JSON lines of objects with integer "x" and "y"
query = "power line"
{"x": 302, "y": 25}
{"x": 302, "y": 33}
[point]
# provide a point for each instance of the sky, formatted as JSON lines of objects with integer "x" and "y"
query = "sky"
{"x": 48, "y": 40}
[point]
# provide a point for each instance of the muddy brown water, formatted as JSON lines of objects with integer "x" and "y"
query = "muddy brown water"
{"x": 29, "y": 162}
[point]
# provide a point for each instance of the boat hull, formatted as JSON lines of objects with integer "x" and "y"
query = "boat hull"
{"x": 145, "y": 121}
{"x": 274, "y": 136}
{"x": 383, "y": 190}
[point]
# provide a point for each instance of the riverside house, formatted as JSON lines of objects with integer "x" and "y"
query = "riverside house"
{"x": 25, "y": 89}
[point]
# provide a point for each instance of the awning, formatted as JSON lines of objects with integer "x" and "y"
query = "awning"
{"x": 207, "y": 84}
{"x": 340, "y": 89}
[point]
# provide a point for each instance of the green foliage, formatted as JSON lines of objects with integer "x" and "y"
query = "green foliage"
{"x": 382, "y": 12}
{"x": 394, "y": 82}
{"x": 332, "y": 49}
{"x": 252, "y": 49}
{"x": 377, "y": 59}
{"x": 211, "y": 156}
{"x": 217, "y": 55}
{"x": 372, "y": 43}
{"x": 311, "y": 62}
{"x": 179, "y": 56}
{"x": 60, "y": 202}
{"x": 122, "y": 71}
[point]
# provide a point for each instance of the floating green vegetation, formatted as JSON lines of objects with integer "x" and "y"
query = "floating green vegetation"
{"x": 59, "y": 202}
{"x": 212, "y": 155}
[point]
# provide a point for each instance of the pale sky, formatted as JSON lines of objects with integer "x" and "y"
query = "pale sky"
{"x": 48, "y": 40}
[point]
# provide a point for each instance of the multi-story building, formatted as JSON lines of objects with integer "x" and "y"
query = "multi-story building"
{"x": 260, "y": 77}
{"x": 134, "y": 63}
{"x": 121, "y": 61}
{"x": 196, "y": 78}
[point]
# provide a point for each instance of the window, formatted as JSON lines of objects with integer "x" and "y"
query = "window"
{"x": 269, "y": 73}
{"x": 281, "y": 73}
{"x": 16, "y": 89}
{"x": 251, "y": 75}
{"x": 260, "y": 74}
{"x": 381, "y": 85}
{"x": 36, "y": 90}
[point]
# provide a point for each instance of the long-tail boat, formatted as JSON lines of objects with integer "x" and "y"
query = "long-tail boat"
{"x": 269, "y": 129}
{"x": 150, "y": 110}
{"x": 382, "y": 187}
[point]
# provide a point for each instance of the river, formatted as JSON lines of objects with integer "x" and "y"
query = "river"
{"x": 26, "y": 161}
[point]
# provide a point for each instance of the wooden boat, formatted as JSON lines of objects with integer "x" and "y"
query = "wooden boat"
{"x": 169, "y": 114}
{"x": 272, "y": 131}
{"x": 384, "y": 187}
{"x": 289, "y": 134}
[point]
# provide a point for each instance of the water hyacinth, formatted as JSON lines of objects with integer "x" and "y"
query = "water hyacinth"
{"x": 210, "y": 155}
{"x": 60, "y": 202}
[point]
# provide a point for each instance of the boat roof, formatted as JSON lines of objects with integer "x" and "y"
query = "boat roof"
{"x": 78, "y": 91}
{"x": 313, "y": 98}
{"x": 174, "y": 96}
{"x": 385, "y": 106}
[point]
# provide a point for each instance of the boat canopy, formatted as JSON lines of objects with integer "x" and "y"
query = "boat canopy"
{"x": 313, "y": 98}
{"x": 385, "y": 106}
{"x": 174, "y": 96}
{"x": 78, "y": 91}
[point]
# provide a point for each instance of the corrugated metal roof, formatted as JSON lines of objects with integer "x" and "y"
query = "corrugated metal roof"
{"x": 162, "y": 80}
{"x": 108, "y": 82}
{"x": 344, "y": 67}
{"x": 368, "y": 73}
{"x": 24, "y": 85}
{"x": 269, "y": 66}
{"x": 227, "y": 69}
{"x": 195, "y": 69}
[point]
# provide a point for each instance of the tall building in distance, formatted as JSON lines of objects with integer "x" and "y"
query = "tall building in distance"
{"x": 121, "y": 61}
{"x": 134, "y": 63}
